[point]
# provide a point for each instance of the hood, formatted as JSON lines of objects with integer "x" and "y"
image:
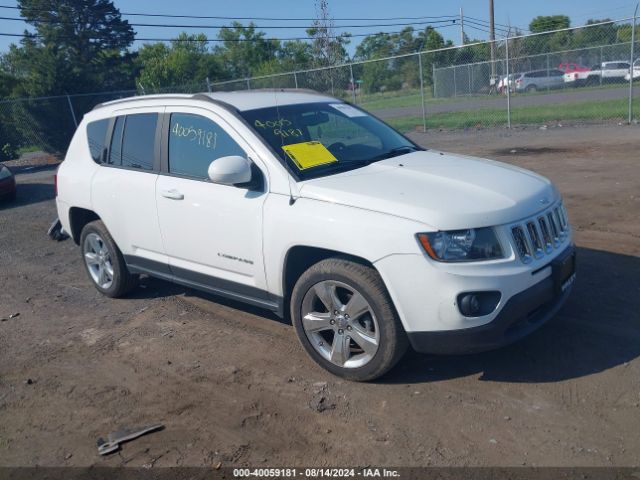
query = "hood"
{"x": 444, "y": 191}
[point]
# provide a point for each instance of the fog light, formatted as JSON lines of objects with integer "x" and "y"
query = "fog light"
{"x": 469, "y": 305}
{"x": 477, "y": 304}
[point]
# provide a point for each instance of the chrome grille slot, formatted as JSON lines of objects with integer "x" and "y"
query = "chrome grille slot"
{"x": 546, "y": 234}
{"x": 558, "y": 219}
{"x": 536, "y": 239}
{"x": 522, "y": 246}
{"x": 561, "y": 218}
{"x": 553, "y": 227}
{"x": 539, "y": 236}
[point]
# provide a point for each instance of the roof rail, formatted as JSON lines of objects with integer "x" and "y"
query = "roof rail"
{"x": 201, "y": 96}
{"x": 168, "y": 96}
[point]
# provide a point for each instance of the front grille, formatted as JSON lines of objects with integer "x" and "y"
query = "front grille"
{"x": 539, "y": 236}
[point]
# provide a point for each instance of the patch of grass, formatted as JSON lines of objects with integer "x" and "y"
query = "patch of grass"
{"x": 29, "y": 149}
{"x": 587, "y": 111}
{"x": 412, "y": 98}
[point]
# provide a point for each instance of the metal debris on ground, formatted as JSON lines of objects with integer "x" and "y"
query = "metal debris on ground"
{"x": 56, "y": 232}
{"x": 114, "y": 439}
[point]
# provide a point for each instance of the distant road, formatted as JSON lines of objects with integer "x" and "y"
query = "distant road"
{"x": 461, "y": 104}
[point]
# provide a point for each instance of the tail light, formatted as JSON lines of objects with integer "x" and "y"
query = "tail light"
{"x": 519, "y": 81}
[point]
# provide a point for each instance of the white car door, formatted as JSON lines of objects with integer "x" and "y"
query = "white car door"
{"x": 212, "y": 233}
{"x": 123, "y": 188}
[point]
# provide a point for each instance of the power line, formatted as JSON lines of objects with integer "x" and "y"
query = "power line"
{"x": 498, "y": 26}
{"x": 485, "y": 27}
{"x": 262, "y": 27}
{"x": 207, "y": 40}
{"x": 206, "y": 17}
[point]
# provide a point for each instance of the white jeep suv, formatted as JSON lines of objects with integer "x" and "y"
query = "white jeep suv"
{"x": 303, "y": 204}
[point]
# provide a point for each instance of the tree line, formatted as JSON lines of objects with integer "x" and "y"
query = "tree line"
{"x": 81, "y": 46}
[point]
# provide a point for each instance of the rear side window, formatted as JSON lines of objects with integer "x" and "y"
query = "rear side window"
{"x": 133, "y": 143}
{"x": 115, "y": 149}
{"x": 97, "y": 138}
{"x": 139, "y": 141}
{"x": 195, "y": 142}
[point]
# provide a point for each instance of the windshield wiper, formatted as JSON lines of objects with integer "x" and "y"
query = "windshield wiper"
{"x": 394, "y": 152}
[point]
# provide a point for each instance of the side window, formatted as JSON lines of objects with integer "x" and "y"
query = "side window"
{"x": 195, "y": 142}
{"x": 139, "y": 141}
{"x": 97, "y": 138}
{"x": 115, "y": 148}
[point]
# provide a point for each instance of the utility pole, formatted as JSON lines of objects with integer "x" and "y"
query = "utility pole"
{"x": 492, "y": 39}
{"x": 461, "y": 27}
{"x": 632, "y": 59}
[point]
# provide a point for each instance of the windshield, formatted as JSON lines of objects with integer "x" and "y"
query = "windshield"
{"x": 319, "y": 139}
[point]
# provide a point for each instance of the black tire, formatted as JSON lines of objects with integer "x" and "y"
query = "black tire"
{"x": 392, "y": 343}
{"x": 531, "y": 89}
{"x": 123, "y": 281}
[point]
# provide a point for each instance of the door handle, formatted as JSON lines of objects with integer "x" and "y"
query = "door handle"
{"x": 173, "y": 194}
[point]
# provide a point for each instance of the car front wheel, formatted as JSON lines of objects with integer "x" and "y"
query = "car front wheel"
{"x": 104, "y": 261}
{"x": 346, "y": 321}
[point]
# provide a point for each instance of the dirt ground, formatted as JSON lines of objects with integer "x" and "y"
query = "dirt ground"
{"x": 232, "y": 385}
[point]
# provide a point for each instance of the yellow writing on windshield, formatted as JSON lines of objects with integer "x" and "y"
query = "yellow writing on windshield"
{"x": 309, "y": 154}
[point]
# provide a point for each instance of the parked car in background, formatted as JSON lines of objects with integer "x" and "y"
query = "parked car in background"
{"x": 502, "y": 84}
{"x": 636, "y": 71}
{"x": 539, "y": 80}
{"x": 7, "y": 183}
{"x": 602, "y": 73}
{"x": 572, "y": 68}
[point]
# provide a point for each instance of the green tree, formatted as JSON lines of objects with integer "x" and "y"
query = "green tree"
{"x": 78, "y": 46}
{"x": 548, "y": 23}
{"x": 186, "y": 62}
{"x": 596, "y": 35}
{"x": 244, "y": 49}
{"x": 550, "y": 42}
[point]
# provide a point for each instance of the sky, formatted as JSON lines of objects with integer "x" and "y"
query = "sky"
{"x": 517, "y": 13}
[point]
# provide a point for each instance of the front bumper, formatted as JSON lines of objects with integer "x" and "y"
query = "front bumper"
{"x": 522, "y": 314}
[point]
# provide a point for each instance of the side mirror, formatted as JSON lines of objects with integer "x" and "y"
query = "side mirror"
{"x": 231, "y": 170}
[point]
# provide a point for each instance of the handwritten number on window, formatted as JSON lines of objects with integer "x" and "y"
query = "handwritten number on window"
{"x": 202, "y": 138}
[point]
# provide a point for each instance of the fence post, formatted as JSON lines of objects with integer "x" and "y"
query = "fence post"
{"x": 631, "y": 69}
{"x": 508, "y": 84}
{"x": 547, "y": 69}
{"x": 73, "y": 114}
{"x": 295, "y": 79}
{"x": 424, "y": 106}
{"x": 433, "y": 79}
{"x": 331, "y": 78}
{"x": 353, "y": 83}
{"x": 248, "y": 84}
{"x": 208, "y": 85}
{"x": 455, "y": 82}
{"x": 469, "y": 75}
{"x": 601, "y": 60}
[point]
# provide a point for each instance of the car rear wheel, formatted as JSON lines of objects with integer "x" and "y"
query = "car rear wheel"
{"x": 104, "y": 262}
{"x": 346, "y": 321}
{"x": 532, "y": 88}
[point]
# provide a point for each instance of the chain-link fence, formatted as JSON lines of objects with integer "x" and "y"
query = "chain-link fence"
{"x": 582, "y": 74}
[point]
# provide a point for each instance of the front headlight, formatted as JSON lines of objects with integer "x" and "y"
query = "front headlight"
{"x": 4, "y": 172}
{"x": 469, "y": 245}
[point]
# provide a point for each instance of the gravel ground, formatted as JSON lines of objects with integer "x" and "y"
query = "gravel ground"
{"x": 232, "y": 385}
